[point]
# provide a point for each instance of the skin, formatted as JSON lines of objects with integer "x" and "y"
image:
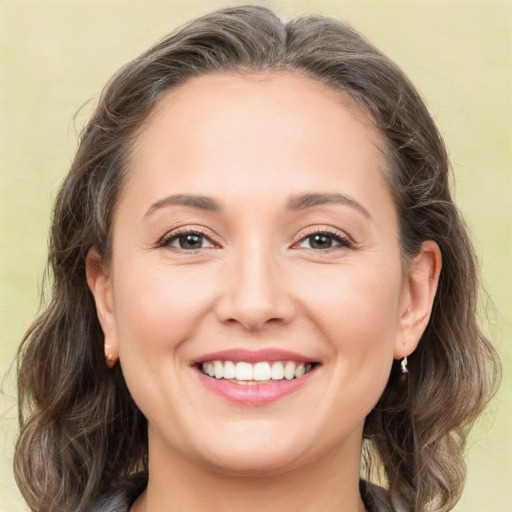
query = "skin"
{"x": 250, "y": 143}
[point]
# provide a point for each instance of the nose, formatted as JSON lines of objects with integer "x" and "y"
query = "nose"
{"x": 255, "y": 294}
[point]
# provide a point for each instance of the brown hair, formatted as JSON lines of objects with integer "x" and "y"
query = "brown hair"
{"x": 81, "y": 432}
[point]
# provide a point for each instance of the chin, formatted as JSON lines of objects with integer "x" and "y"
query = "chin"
{"x": 253, "y": 463}
{"x": 260, "y": 455}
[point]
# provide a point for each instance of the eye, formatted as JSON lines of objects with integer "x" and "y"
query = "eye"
{"x": 322, "y": 240}
{"x": 187, "y": 241}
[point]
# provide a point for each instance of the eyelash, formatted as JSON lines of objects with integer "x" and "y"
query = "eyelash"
{"x": 176, "y": 235}
{"x": 342, "y": 240}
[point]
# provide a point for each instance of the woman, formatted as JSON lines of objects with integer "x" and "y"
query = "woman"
{"x": 261, "y": 283}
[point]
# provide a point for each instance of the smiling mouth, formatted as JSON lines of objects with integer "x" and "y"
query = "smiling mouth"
{"x": 262, "y": 372}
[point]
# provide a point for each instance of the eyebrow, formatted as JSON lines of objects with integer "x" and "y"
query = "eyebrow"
{"x": 194, "y": 201}
{"x": 297, "y": 202}
{"x": 303, "y": 201}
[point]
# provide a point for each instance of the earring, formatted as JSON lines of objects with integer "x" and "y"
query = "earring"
{"x": 110, "y": 359}
{"x": 403, "y": 365}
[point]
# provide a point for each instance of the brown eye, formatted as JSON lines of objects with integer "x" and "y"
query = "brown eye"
{"x": 320, "y": 241}
{"x": 188, "y": 241}
{"x": 324, "y": 240}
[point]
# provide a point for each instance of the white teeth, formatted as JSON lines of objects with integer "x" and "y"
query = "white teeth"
{"x": 210, "y": 369}
{"x": 243, "y": 371}
{"x": 262, "y": 371}
{"x": 219, "y": 369}
{"x": 289, "y": 370}
{"x": 277, "y": 371}
{"x": 229, "y": 370}
{"x": 300, "y": 370}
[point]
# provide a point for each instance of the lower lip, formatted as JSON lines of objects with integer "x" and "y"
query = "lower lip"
{"x": 254, "y": 394}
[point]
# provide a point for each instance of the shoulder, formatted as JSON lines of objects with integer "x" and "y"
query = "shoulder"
{"x": 120, "y": 500}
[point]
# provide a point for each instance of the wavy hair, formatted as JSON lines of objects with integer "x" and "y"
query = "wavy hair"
{"x": 82, "y": 434}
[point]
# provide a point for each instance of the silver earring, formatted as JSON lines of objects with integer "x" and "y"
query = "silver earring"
{"x": 403, "y": 365}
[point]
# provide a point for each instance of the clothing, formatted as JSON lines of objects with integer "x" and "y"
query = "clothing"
{"x": 374, "y": 497}
{"x": 122, "y": 499}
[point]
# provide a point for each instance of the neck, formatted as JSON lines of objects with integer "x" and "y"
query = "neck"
{"x": 329, "y": 483}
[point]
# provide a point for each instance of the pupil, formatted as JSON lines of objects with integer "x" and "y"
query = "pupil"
{"x": 191, "y": 242}
{"x": 320, "y": 242}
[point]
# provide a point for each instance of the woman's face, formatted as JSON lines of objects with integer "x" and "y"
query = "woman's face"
{"x": 255, "y": 239}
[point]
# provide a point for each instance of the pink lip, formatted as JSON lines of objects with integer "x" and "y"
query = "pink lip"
{"x": 253, "y": 356}
{"x": 253, "y": 394}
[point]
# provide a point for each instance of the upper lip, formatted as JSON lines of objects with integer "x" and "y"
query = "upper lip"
{"x": 253, "y": 356}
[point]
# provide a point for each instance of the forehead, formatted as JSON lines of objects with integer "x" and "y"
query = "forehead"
{"x": 215, "y": 97}
{"x": 256, "y": 133}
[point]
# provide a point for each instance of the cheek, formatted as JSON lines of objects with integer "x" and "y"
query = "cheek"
{"x": 358, "y": 314}
{"x": 158, "y": 309}
{"x": 358, "y": 305}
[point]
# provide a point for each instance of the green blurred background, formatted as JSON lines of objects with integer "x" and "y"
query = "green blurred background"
{"x": 55, "y": 56}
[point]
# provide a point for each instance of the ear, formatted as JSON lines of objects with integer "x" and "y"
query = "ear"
{"x": 418, "y": 297}
{"x": 100, "y": 284}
